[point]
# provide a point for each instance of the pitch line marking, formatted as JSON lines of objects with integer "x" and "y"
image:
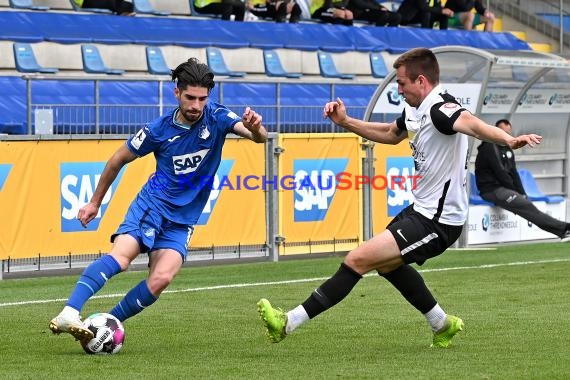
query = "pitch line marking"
{"x": 247, "y": 285}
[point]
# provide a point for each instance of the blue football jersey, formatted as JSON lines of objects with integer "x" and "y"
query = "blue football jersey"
{"x": 187, "y": 159}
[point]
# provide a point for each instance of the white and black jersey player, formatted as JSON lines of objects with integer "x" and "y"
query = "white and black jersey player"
{"x": 437, "y": 128}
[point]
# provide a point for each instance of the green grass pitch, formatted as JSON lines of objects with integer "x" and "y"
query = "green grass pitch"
{"x": 515, "y": 302}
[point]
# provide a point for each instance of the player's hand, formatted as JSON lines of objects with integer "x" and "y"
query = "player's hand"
{"x": 523, "y": 140}
{"x": 87, "y": 213}
{"x": 251, "y": 119}
{"x": 336, "y": 111}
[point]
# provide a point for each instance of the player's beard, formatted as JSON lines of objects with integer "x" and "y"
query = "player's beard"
{"x": 191, "y": 115}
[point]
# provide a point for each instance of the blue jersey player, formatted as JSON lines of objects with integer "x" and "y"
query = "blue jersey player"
{"x": 187, "y": 144}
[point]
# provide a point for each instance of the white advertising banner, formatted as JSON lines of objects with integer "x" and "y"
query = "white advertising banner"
{"x": 492, "y": 225}
{"x": 545, "y": 101}
{"x": 498, "y": 100}
{"x": 488, "y": 224}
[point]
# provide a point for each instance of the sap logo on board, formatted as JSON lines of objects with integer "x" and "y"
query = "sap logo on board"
{"x": 78, "y": 181}
{"x": 315, "y": 187}
{"x": 222, "y": 174}
{"x": 400, "y": 196}
{"x": 4, "y": 171}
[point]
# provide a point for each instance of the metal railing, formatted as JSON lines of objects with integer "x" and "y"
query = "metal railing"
{"x": 97, "y": 118}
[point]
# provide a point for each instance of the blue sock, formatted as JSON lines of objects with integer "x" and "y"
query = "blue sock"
{"x": 136, "y": 300}
{"x": 92, "y": 280}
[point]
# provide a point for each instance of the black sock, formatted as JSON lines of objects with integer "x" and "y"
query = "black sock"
{"x": 332, "y": 291}
{"x": 412, "y": 286}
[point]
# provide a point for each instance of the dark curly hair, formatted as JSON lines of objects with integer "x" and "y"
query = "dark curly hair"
{"x": 193, "y": 73}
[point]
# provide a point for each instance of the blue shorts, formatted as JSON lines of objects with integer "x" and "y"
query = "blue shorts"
{"x": 153, "y": 231}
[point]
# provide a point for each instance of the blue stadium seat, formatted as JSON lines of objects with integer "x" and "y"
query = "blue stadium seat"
{"x": 93, "y": 62}
{"x": 27, "y": 4}
{"x": 144, "y": 7}
{"x": 533, "y": 192}
{"x": 377, "y": 65}
{"x": 474, "y": 195}
{"x": 218, "y": 65}
{"x": 26, "y": 60}
{"x": 328, "y": 68}
{"x": 155, "y": 61}
{"x": 77, "y": 8}
{"x": 273, "y": 67}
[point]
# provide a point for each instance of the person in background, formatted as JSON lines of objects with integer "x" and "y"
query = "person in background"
{"x": 276, "y": 10}
{"x": 118, "y": 7}
{"x": 464, "y": 16}
{"x": 372, "y": 11}
{"x": 425, "y": 13}
{"x": 499, "y": 182}
{"x": 225, "y": 8}
{"x": 187, "y": 144}
{"x": 332, "y": 11}
{"x": 436, "y": 127}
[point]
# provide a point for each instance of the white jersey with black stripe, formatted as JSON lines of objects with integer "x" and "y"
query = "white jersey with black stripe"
{"x": 440, "y": 157}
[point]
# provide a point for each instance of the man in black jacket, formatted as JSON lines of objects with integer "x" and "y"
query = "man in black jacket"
{"x": 372, "y": 11}
{"x": 424, "y": 12}
{"x": 499, "y": 183}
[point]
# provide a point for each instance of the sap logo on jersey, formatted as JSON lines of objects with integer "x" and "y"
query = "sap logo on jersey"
{"x": 398, "y": 197}
{"x": 188, "y": 163}
{"x": 315, "y": 186}
{"x": 222, "y": 173}
{"x": 78, "y": 181}
{"x": 4, "y": 171}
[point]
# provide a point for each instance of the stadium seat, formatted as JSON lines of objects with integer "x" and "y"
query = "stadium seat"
{"x": 273, "y": 67}
{"x": 145, "y": 7}
{"x": 77, "y": 8}
{"x": 377, "y": 65}
{"x": 474, "y": 195}
{"x": 93, "y": 62}
{"x": 25, "y": 60}
{"x": 218, "y": 65}
{"x": 327, "y": 67}
{"x": 533, "y": 192}
{"x": 27, "y": 4}
{"x": 155, "y": 61}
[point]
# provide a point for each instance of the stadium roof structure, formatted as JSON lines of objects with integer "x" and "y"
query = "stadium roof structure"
{"x": 531, "y": 89}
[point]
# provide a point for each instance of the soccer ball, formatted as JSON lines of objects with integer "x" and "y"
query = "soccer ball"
{"x": 108, "y": 331}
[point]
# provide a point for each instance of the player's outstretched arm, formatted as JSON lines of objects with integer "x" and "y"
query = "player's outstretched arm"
{"x": 385, "y": 133}
{"x": 119, "y": 159}
{"x": 471, "y": 125}
{"x": 250, "y": 126}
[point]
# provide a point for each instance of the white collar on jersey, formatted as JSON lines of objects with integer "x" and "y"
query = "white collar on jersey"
{"x": 178, "y": 124}
{"x": 425, "y": 106}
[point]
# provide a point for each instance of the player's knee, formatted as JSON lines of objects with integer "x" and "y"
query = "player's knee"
{"x": 122, "y": 260}
{"x": 157, "y": 282}
{"x": 358, "y": 263}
